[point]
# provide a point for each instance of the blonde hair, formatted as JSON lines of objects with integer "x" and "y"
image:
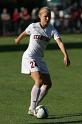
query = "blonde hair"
{"x": 44, "y": 9}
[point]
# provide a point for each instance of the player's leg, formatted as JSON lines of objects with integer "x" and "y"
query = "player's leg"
{"x": 29, "y": 66}
{"x": 45, "y": 87}
{"x": 36, "y": 76}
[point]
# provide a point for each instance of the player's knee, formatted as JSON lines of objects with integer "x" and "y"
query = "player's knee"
{"x": 39, "y": 82}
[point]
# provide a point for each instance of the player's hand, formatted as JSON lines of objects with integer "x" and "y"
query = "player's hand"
{"x": 66, "y": 61}
{"x": 16, "y": 41}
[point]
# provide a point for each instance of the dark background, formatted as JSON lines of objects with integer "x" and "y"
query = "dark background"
{"x": 30, "y": 4}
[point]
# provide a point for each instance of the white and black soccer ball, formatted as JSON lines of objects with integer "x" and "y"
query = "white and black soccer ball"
{"x": 42, "y": 111}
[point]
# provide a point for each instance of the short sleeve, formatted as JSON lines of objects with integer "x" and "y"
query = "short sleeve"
{"x": 29, "y": 29}
{"x": 55, "y": 33}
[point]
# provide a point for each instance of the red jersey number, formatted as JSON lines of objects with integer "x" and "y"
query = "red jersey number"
{"x": 33, "y": 64}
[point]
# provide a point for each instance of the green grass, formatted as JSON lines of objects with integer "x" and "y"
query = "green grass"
{"x": 64, "y": 100}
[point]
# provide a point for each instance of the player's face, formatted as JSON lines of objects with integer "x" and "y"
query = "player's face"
{"x": 45, "y": 18}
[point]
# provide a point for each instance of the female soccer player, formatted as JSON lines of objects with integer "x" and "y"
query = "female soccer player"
{"x": 32, "y": 60}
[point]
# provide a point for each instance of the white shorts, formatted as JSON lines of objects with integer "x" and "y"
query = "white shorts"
{"x": 32, "y": 65}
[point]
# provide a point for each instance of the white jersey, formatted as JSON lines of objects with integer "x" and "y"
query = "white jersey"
{"x": 39, "y": 39}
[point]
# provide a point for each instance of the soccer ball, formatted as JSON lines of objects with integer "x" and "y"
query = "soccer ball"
{"x": 42, "y": 111}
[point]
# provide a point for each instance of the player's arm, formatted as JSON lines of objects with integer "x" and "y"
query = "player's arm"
{"x": 62, "y": 48}
{"x": 20, "y": 37}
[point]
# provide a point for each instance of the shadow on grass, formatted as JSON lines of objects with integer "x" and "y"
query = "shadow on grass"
{"x": 51, "y": 46}
{"x": 62, "y": 119}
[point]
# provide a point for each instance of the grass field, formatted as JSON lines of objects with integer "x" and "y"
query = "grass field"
{"x": 64, "y": 100}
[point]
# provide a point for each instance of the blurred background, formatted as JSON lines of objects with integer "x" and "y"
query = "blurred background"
{"x": 16, "y": 15}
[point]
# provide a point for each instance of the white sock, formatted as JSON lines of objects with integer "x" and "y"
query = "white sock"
{"x": 34, "y": 96}
{"x": 42, "y": 94}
